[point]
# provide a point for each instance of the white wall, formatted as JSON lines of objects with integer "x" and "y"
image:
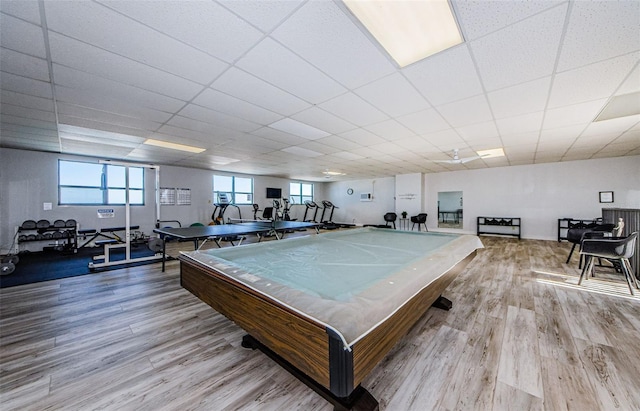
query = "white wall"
{"x": 409, "y": 195}
{"x": 540, "y": 194}
{"x": 352, "y": 210}
{"x": 30, "y": 178}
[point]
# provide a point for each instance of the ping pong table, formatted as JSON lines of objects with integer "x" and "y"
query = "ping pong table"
{"x": 218, "y": 233}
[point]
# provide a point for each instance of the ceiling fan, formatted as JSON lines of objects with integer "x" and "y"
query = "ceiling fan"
{"x": 457, "y": 160}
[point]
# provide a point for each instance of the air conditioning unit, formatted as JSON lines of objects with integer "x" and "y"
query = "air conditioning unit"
{"x": 366, "y": 197}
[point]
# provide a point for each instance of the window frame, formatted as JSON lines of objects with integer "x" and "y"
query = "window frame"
{"x": 103, "y": 186}
{"x": 233, "y": 193}
{"x": 300, "y": 198}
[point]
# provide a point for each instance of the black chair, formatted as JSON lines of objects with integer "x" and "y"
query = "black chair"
{"x": 267, "y": 214}
{"x": 390, "y": 218}
{"x": 419, "y": 219}
{"x": 618, "y": 251}
{"x": 576, "y": 235}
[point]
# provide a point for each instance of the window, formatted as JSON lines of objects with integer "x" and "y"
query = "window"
{"x": 300, "y": 192}
{"x": 82, "y": 183}
{"x": 238, "y": 190}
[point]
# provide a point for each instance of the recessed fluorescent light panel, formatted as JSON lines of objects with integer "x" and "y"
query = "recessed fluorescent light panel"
{"x": 408, "y": 30}
{"x": 173, "y": 146}
{"x": 299, "y": 129}
{"x": 333, "y": 173}
{"x": 621, "y": 106}
{"x": 494, "y": 152}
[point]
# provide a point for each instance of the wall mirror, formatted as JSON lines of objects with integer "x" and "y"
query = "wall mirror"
{"x": 450, "y": 209}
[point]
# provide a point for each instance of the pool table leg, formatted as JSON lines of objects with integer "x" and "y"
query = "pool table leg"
{"x": 442, "y": 303}
{"x": 359, "y": 400}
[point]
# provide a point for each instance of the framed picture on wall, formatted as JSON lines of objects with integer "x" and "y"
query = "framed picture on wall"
{"x": 606, "y": 196}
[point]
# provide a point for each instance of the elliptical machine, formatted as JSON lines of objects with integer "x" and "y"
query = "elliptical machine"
{"x": 286, "y": 210}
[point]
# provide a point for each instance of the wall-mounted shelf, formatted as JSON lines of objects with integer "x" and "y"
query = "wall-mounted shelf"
{"x": 510, "y": 226}
{"x": 62, "y": 235}
{"x": 564, "y": 224}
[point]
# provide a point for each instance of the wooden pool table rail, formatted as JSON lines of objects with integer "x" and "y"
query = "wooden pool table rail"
{"x": 302, "y": 342}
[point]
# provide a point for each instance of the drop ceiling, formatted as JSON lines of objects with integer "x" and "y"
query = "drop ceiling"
{"x": 296, "y": 88}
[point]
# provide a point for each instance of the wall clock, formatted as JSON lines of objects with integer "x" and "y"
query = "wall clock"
{"x": 350, "y": 191}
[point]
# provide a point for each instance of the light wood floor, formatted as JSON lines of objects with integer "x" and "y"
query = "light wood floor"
{"x": 521, "y": 336}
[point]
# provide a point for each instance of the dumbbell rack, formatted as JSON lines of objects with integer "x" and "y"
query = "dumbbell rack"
{"x": 63, "y": 238}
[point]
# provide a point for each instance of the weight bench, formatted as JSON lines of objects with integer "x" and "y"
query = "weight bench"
{"x": 108, "y": 233}
{"x": 113, "y": 241}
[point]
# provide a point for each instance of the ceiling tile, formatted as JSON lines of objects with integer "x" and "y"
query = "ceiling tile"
{"x": 278, "y": 66}
{"x": 217, "y": 119}
{"x": 72, "y": 53}
{"x": 362, "y": 137}
{"x": 206, "y": 26}
{"x": 321, "y": 33}
{"x": 478, "y": 131}
{"x": 524, "y": 51}
{"x": 388, "y": 148}
{"x": 591, "y": 82}
{"x": 524, "y": 98}
{"x": 183, "y": 127}
{"x": 613, "y": 126}
{"x": 30, "y": 142}
{"x": 482, "y": 17}
{"x": 422, "y": 122}
{"x": 100, "y": 26}
{"x": 632, "y": 83}
{"x": 18, "y": 129}
{"x": 27, "y": 122}
{"x": 297, "y": 128}
{"x": 608, "y": 31}
{"x": 446, "y": 140}
{"x": 24, "y": 85}
{"x": 303, "y": 152}
{"x": 24, "y": 100}
{"x": 485, "y": 143}
{"x": 323, "y": 120}
{"x": 90, "y": 89}
{"x": 561, "y": 133}
{"x": 432, "y": 76}
{"x": 23, "y": 65}
{"x": 21, "y": 36}
{"x": 246, "y": 87}
{"x": 575, "y": 114}
{"x": 520, "y": 124}
{"x": 338, "y": 142}
{"x": 102, "y": 126}
{"x": 393, "y": 95}
{"x": 280, "y": 136}
{"x": 264, "y": 14}
{"x": 233, "y": 106}
{"x": 465, "y": 112}
{"x": 108, "y": 103}
{"x": 29, "y": 113}
{"x": 319, "y": 147}
{"x": 70, "y": 110}
{"x": 511, "y": 140}
{"x": 390, "y": 130}
{"x": 352, "y": 108}
{"x": 91, "y": 148}
{"x": 23, "y": 9}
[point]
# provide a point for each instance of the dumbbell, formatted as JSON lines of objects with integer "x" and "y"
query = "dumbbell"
{"x": 8, "y": 264}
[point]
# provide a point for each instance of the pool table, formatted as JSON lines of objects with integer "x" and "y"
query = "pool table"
{"x": 329, "y": 307}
